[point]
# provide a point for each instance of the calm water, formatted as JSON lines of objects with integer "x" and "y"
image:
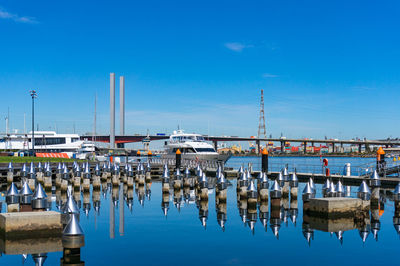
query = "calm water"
{"x": 143, "y": 235}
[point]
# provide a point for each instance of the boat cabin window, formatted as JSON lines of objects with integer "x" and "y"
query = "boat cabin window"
{"x": 205, "y": 150}
{"x": 200, "y": 138}
{"x": 183, "y": 138}
{"x": 49, "y": 141}
{"x": 74, "y": 139}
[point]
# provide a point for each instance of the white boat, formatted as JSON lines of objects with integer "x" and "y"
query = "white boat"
{"x": 192, "y": 146}
{"x": 85, "y": 151}
{"x": 45, "y": 142}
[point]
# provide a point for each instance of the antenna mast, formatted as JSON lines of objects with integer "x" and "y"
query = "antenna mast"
{"x": 94, "y": 124}
{"x": 262, "y": 132}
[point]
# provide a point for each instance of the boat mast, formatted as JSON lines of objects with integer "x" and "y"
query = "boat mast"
{"x": 94, "y": 124}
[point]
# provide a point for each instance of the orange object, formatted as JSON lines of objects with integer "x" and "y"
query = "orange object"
{"x": 325, "y": 162}
{"x": 380, "y": 151}
{"x": 52, "y": 155}
{"x": 149, "y": 152}
{"x": 138, "y": 153}
{"x": 264, "y": 151}
{"x": 328, "y": 172}
{"x": 111, "y": 159}
{"x": 178, "y": 151}
{"x": 381, "y": 212}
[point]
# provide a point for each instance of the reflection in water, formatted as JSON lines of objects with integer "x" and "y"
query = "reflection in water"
{"x": 253, "y": 209}
{"x": 121, "y": 210}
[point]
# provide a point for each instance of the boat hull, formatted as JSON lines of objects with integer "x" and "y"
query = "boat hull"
{"x": 200, "y": 157}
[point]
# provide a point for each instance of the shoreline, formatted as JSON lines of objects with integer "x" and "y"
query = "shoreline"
{"x": 309, "y": 155}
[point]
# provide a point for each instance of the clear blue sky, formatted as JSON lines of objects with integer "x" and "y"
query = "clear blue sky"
{"x": 327, "y": 67}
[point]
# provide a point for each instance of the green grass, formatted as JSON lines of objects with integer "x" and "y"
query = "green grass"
{"x": 7, "y": 159}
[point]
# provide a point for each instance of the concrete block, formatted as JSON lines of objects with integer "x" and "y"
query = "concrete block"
{"x": 165, "y": 188}
{"x": 96, "y": 182}
{"x": 335, "y": 207}
{"x": 39, "y": 177}
{"x": 77, "y": 181}
{"x": 264, "y": 194}
{"x": 13, "y": 207}
{"x": 177, "y": 184}
{"x": 22, "y": 224}
{"x": 294, "y": 192}
{"x": 130, "y": 182}
{"x": 115, "y": 180}
{"x": 148, "y": 177}
{"x": 64, "y": 185}
{"x": 86, "y": 184}
{"x": 221, "y": 196}
{"x": 32, "y": 183}
{"x": 58, "y": 180}
{"x": 204, "y": 194}
{"x": 47, "y": 182}
{"x": 285, "y": 189}
{"x": 10, "y": 177}
{"x": 141, "y": 179}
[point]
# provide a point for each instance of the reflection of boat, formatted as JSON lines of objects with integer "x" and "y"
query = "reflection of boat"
{"x": 192, "y": 146}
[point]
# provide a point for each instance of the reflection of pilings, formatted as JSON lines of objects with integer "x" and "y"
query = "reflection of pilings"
{"x": 121, "y": 211}
{"x": 72, "y": 250}
{"x": 165, "y": 203}
{"x": 375, "y": 223}
{"x": 375, "y": 196}
{"x": 178, "y": 199}
{"x": 77, "y": 197}
{"x": 203, "y": 212}
{"x": 221, "y": 215}
{"x": 252, "y": 216}
{"x": 308, "y": 232}
{"x": 293, "y": 193}
{"x": 39, "y": 259}
{"x": 396, "y": 217}
{"x": 129, "y": 200}
{"x": 86, "y": 203}
{"x": 264, "y": 214}
{"x": 293, "y": 212}
{"x": 243, "y": 210}
{"x": 285, "y": 190}
{"x": 148, "y": 191}
{"x": 141, "y": 194}
{"x": 275, "y": 220}
{"x": 112, "y": 219}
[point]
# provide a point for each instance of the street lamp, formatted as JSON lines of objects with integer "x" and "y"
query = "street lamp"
{"x": 33, "y": 95}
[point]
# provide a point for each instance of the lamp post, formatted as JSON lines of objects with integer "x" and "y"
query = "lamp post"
{"x": 33, "y": 95}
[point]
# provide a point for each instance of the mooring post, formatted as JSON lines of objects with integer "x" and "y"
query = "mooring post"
{"x": 178, "y": 159}
{"x": 380, "y": 161}
{"x": 264, "y": 160}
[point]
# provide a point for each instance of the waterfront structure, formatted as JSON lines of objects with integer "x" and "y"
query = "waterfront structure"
{"x": 45, "y": 141}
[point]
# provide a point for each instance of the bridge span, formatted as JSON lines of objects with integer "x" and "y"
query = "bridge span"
{"x": 282, "y": 141}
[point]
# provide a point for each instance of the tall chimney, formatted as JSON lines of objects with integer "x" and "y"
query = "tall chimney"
{"x": 121, "y": 105}
{"x": 112, "y": 110}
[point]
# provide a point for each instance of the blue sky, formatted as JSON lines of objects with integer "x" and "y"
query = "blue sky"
{"x": 328, "y": 68}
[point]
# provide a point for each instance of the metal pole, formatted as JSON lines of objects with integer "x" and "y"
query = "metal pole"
{"x": 33, "y": 95}
{"x": 33, "y": 125}
{"x": 112, "y": 110}
{"x": 122, "y": 105}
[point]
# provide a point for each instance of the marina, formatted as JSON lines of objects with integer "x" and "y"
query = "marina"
{"x": 125, "y": 209}
{"x": 199, "y": 133}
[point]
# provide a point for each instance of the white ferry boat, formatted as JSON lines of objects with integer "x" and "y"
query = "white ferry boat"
{"x": 192, "y": 146}
{"x": 45, "y": 142}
